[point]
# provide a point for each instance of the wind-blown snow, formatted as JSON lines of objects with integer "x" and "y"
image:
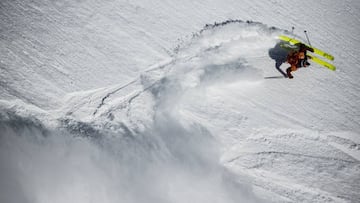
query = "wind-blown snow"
{"x": 117, "y": 101}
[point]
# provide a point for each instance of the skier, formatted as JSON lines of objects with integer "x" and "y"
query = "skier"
{"x": 298, "y": 59}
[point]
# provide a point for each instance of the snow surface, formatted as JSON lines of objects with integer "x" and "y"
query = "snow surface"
{"x": 152, "y": 101}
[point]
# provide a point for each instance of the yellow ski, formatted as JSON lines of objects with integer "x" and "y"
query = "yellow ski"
{"x": 316, "y": 50}
{"x": 321, "y": 62}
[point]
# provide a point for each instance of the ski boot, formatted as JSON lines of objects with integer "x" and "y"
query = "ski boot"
{"x": 288, "y": 72}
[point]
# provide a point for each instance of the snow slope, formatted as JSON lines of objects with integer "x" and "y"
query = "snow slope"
{"x": 118, "y": 101}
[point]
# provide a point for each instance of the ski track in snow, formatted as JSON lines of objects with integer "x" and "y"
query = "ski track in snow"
{"x": 210, "y": 94}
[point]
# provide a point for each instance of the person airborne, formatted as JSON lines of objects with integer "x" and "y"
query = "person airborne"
{"x": 298, "y": 59}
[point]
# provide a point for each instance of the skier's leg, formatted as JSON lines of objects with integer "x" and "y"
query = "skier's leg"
{"x": 288, "y": 72}
{"x": 290, "y": 69}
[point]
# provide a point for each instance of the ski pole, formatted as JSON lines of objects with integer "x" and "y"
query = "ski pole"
{"x": 307, "y": 37}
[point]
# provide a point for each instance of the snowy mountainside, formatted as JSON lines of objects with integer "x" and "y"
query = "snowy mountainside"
{"x": 208, "y": 122}
{"x": 223, "y": 57}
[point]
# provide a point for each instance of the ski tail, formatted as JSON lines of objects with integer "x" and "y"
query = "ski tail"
{"x": 316, "y": 50}
{"x": 321, "y": 62}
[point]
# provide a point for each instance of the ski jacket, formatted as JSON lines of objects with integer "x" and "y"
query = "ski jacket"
{"x": 294, "y": 57}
